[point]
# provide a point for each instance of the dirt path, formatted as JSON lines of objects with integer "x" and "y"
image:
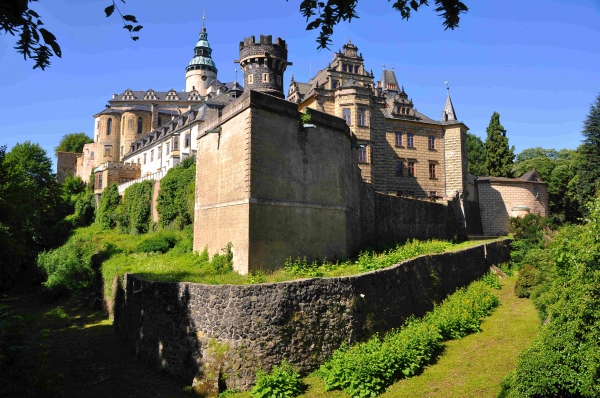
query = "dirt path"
{"x": 69, "y": 350}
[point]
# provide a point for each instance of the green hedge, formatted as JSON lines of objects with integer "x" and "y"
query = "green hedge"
{"x": 368, "y": 368}
{"x": 106, "y": 215}
{"x": 282, "y": 382}
{"x": 69, "y": 266}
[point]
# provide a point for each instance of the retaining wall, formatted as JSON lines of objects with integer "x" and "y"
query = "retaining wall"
{"x": 225, "y": 333}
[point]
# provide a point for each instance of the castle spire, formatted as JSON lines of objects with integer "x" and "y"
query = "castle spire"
{"x": 202, "y": 69}
{"x": 448, "y": 113}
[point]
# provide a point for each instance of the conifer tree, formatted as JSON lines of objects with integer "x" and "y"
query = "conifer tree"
{"x": 588, "y": 170}
{"x": 498, "y": 155}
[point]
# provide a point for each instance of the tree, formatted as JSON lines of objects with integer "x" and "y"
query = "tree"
{"x": 476, "y": 155}
{"x": 17, "y": 18}
{"x": 499, "y": 156}
{"x": 588, "y": 172}
{"x": 73, "y": 142}
{"x": 31, "y": 206}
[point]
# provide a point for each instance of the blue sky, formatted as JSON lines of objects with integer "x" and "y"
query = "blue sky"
{"x": 536, "y": 62}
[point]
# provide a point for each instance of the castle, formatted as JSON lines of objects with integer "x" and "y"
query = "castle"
{"x": 276, "y": 186}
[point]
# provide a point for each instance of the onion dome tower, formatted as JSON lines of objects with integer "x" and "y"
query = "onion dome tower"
{"x": 201, "y": 70}
{"x": 263, "y": 63}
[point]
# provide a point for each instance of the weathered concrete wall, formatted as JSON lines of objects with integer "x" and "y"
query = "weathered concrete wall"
{"x": 66, "y": 165}
{"x": 500, "y": 200}
{"x": 176, "y": 326}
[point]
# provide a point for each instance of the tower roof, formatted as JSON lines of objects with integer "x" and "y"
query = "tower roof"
{"x": 202, "y": 54}
{"x": 448, "y": 112}
{"x": 388, "y": 80}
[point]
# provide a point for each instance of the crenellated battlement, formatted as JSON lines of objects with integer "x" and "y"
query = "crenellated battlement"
{"x": 264, "y": 63}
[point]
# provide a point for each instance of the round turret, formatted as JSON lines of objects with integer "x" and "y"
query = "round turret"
{"x": 108, "y": 127}
{"x": 263, "y": 63}
{"x": 202, "y": 69}
{"x": 135, "y": 124}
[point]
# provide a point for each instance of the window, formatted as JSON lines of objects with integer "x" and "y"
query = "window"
{"x": 399, "y": 168}
{"x": 411, "y": 169}
{"x": 362, "y": 155}
{"x": 362, "y": 117}
{"x": 344, "y": 68}
{"x": 265, "y": 77}
{"x": 107, "y": 150}
{"x": 144, "y": 158}
{"x": 98, "y": 125}
{"x": 346, "y": 116}
{"x": 334, "y": 84}
{"x": 410, "y": 138}
{"x": 176, "y": 143}
{"x": 398, "y": 138}
{"x": 139, "y": 160}
{"x": 250, "y": 79}
{"x": 109, "y": 126}
{"x": 432, "y": 170}
{"x": 92, "y": 155}
{"x": 431, "y": 142}
{"x": 187, "y": 140}
{"x": 159, "y": 121}
{"x": 167, "y": 149}
{"x": 99, "y": 180}
{"x": 356, "y": 69}
{"x": 152, "y": 155}
{"x": 433, "y": 194}
{"x": 130, "y": 124}
{"x": 140, "y": 125}
{"x": 159, "y": 154}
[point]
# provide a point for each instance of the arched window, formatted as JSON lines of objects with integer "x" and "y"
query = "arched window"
{"x": 109, "y": 126}
{"x": 140, "y": 125}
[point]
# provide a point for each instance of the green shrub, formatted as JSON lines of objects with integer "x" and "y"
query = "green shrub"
{"x": 137, "y": 207}
{"x": 367, "y": 369}
{"x": 369, "y": 261}
{"x": 284, "y": 381}
{"x": 564, "y": 359}
{"x": 106, "y": 215}
{"x": 491, "y": 280}
{"x": 68, "y": 266}
{"x": 300, "y": 267}
{"x": 161, "y": 241}
{"x": 175, "y": 202}
{"x": 526, "y": 281}
{"x": 222, "y": 263}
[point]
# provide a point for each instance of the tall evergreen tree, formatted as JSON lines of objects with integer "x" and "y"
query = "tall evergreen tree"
{"x": 588, "y": 170}
{"x": 499, "y": 156}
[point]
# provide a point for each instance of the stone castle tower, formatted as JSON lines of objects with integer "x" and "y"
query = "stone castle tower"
{"x": 263, "y": 63}
{"x": 201, "y": 71}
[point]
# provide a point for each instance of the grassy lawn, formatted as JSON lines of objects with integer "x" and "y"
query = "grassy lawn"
{"x": 473, "y": 366}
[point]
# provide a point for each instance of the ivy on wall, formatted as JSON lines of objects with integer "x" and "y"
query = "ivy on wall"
{"x": 136, "y": 212}
{"x": 175, "y": 202}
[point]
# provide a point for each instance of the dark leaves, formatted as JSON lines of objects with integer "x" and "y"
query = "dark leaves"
{"x": 50, "y": 40}
{"x": 109, "y": 10}
{"x": 137, "y": 28}
{"x": 329, "y": 13}
{"x": 130, "y": 18}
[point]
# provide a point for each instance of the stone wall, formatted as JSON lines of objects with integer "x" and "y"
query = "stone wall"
{"x": 180, "y": 327}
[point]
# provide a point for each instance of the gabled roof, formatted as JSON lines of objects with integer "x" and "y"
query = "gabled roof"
{"x": 532, "y": 176}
